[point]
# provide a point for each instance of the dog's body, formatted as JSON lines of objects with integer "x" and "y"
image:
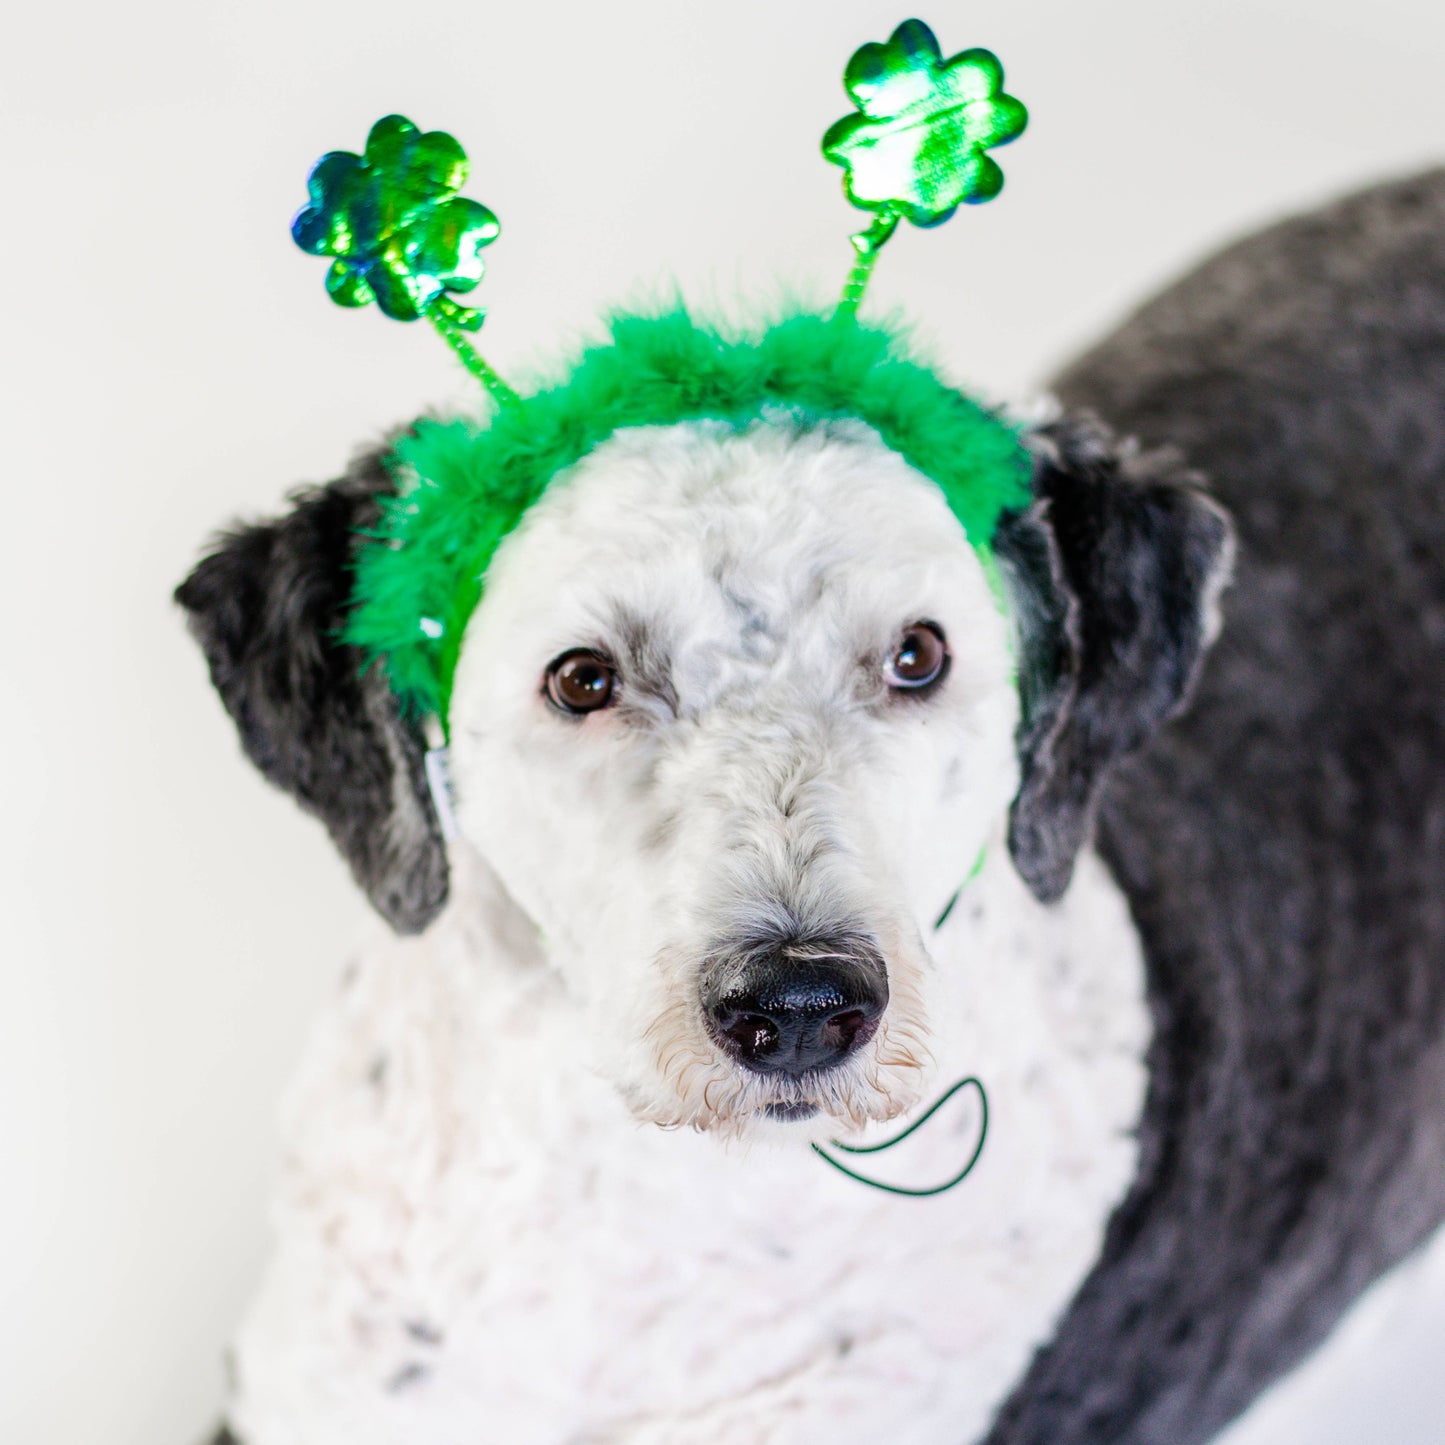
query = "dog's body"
{"x": 480, "y": 1243}
{"x": 1201, "y": 1149}
{"x": 1283, "y": 844}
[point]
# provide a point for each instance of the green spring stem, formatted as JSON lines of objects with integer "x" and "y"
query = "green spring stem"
{"x": 469, "y": 357}
{"x": 866, "y": 245}
{"x": 857, "y": 282}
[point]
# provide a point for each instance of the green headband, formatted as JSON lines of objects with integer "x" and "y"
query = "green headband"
{"x": 466, "y": 485}
{"x": 398, "y": 233}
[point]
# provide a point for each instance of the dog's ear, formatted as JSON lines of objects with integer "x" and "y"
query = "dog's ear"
{"x": 1114, "y": 576}
{"x": 267, "y": 606}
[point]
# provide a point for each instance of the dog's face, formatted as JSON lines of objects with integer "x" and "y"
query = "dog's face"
{"x": 733, "y": 722}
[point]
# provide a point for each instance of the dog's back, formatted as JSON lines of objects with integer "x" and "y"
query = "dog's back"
{"x": 1283, "y": 844}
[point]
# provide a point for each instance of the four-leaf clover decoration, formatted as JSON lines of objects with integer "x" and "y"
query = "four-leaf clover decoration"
{"x": 919, "y": 146}
{"x": 400, "y": 235}
{"x": 392, "y": 219}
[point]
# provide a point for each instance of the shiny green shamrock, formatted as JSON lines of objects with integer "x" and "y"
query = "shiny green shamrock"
{"x": 918, "y": 148}
{"x": 399, "y": 233}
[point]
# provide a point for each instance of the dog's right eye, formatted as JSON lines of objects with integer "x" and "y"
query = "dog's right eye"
{"x": 581, "y": 681}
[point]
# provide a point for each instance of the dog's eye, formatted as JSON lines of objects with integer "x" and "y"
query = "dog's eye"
{"x": 920, "y": 659}
{"x": 581, "y": 681}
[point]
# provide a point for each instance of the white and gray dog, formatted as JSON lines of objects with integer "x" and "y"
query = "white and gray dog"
{"x": 737, "y": 716}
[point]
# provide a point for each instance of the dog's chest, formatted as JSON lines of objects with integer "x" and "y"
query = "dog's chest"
{"x": 477, "y": 1243}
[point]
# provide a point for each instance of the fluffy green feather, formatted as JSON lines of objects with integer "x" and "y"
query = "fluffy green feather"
{"x": 468, "y": 484}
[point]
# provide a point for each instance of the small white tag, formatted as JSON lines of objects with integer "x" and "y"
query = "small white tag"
{"x": 439, "y": 780}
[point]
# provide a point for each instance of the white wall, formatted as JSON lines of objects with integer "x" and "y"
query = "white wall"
{"x": 169, "y": 924}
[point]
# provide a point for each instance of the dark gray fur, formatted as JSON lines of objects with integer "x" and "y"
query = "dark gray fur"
{"x": 644, "y": 660}
{"x": 266, "y": 606}
{"x": 1283, "y": 844}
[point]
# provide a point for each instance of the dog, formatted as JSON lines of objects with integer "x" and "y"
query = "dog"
{"x": 777, "y": 811}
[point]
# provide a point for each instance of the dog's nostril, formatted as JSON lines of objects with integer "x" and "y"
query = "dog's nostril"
{"x": 842, "y": 1030}
{"x": 753, "y": 1035}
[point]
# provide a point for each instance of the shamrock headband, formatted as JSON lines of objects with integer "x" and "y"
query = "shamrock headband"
{"x": 400, "y": 235}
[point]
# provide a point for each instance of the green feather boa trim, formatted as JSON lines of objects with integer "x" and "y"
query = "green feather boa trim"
{"x": 465, "y": 484}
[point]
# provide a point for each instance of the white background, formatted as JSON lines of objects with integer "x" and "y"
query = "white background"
{"x": 169, "y": 924}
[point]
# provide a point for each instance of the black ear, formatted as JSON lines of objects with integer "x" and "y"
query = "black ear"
{"x": 1114, "y": 574}
{"x": 267, "y": 606}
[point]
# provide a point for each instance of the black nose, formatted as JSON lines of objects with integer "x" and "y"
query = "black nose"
{"x": 799, "y": 1005}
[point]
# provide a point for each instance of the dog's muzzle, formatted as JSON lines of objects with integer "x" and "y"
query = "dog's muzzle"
{"x": 797, "y": 1005}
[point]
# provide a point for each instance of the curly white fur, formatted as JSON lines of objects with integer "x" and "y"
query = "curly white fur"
{"x": 483, "y": 1234}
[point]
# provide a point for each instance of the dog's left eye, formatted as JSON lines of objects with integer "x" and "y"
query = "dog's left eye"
{"x": 920, "y": 659}
{"x": 580, "y": 681}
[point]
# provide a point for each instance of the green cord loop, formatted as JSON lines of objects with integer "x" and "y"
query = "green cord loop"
{"x": 899, "y": 1138}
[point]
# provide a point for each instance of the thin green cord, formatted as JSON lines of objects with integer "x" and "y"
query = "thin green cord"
{"x": 469, "y": 357}
{"x": 958, "y": 892}
{"x": 948, "y": 907}
{"x": 899, "y": 1138}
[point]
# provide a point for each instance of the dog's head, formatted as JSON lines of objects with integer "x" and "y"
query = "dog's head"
{"x": 737, "y": 716}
